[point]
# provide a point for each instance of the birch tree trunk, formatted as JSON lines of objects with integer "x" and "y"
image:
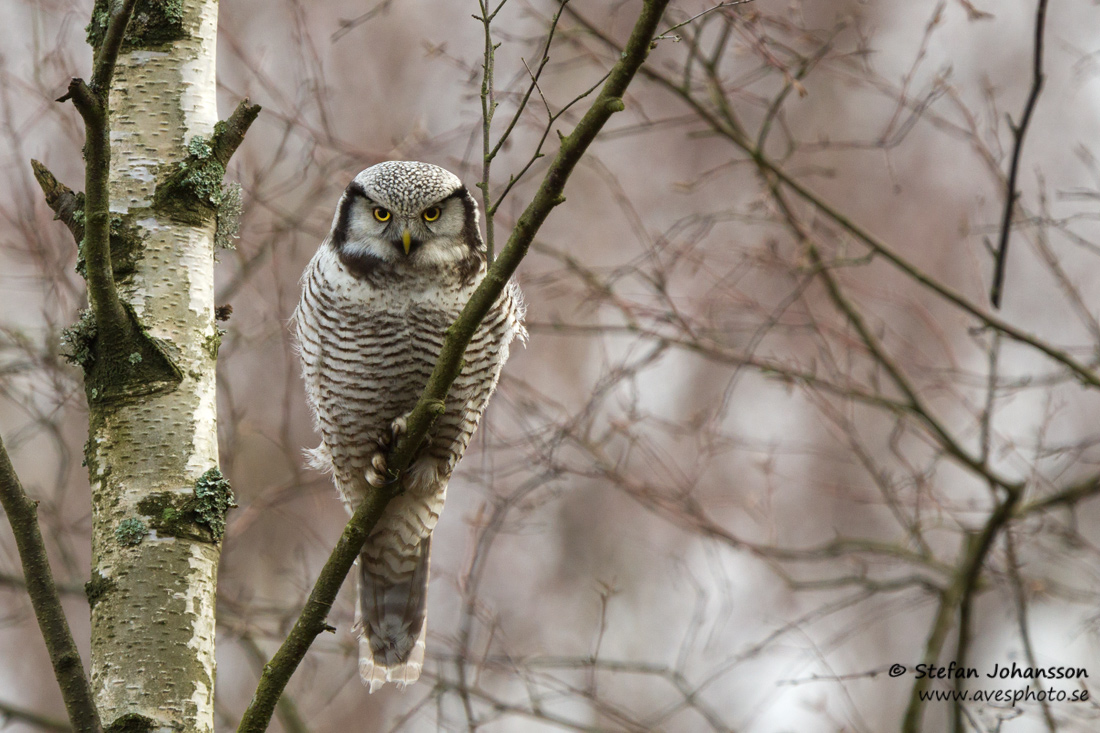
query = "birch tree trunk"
{"x": 158, "y": 498}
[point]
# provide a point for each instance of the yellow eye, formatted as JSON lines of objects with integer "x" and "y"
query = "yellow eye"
{"x": 432, "y": 213}
{"x": 381, "y": 214}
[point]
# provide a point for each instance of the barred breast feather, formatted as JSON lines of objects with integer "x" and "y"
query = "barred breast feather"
{"x": 368, "y": 342}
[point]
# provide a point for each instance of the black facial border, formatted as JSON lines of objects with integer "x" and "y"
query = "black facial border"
{"x": 340, "y": 231}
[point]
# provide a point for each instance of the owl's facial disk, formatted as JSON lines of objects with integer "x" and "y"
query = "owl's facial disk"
{"x": 432, "y": 235}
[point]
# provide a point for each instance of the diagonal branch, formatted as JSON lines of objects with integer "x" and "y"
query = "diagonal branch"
{"x": 573, "y": 147}
{"x": 311, "y": 622}
{"x": 549, "y": 195}
{"x": 1066, "y": 497}
{"x": 91, "y": 101}
{"x": 1017, "y": 152}
{"x": 286, "y": 709}
{"x": 23, "y": 515}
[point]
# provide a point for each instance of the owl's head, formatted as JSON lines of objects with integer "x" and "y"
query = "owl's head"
{"x": 409, "y": 215}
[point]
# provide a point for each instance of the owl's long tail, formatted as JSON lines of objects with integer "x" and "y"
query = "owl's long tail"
{"x": 393, "y": 596}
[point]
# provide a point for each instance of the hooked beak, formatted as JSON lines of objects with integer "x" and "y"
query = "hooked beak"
{"x": 406, "y": 240}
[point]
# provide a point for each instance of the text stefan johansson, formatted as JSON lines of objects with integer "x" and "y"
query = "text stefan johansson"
{"x": 1015, "y": 671}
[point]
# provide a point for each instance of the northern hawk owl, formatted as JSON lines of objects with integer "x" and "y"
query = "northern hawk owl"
{"x": 402, "y": 258}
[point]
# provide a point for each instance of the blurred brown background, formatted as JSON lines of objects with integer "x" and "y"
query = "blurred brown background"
{"x": 694, "y": 504}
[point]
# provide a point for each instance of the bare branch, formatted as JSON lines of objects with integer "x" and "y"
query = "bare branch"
{"x": 229, "y": 134}
{"x": 61, "y": 199}
{"x": 1067, "y": 497}
{"x": 488, "y": 108}
{"x": 286, "y": 709}
{"x": 37, "y": 720}
{"x": 68, "y": 669}
{"x": 1017, "y": 152}
{"x": 107, "y": 53}
{"x": 731, "y": 132}
{"x": 667, "y": 34}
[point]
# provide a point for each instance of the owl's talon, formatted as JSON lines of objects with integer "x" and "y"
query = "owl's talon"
{"x": 379, "y": 479}
{"x": 377, "y": 475}
{"x": 399, "y": 426}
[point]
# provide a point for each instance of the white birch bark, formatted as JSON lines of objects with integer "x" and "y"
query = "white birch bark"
{"x": 153, "y": 605}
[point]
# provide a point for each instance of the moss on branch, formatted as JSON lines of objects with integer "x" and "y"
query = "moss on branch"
{"x": 132, "y": 723}
{"x": 126, "y": 238}
{"x": 120, "y": 359}
{"x": 118, "y": 366}
{"x": 97, "y": 587}
{"x": 192, "y": 191}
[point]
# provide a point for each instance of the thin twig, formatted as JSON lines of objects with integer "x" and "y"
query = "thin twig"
{"x": 515, "y": 178}
{"x": 1017, "y": 152}
{"x": 490, "y": 205}
{"x": 67, "y": 667}
{"x": 534, "y": 85}
{"x": 1067, "y": 497}
{"x": 488, "y": 108}
{"x": 665, "y": 36}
